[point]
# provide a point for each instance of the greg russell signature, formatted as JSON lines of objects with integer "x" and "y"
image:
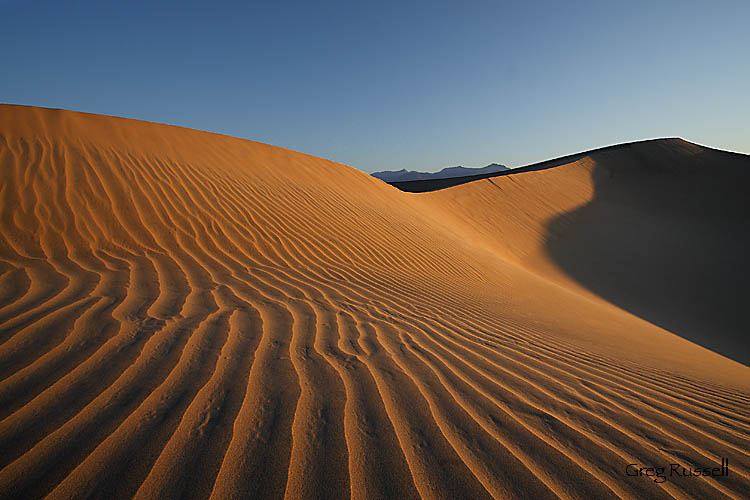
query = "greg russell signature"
{"x": 660, "y": 474}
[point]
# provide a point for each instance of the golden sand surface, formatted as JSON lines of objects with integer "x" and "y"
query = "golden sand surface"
{"x": 190, "y": 315}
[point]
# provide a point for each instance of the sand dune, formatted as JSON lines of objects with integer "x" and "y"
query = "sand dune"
{"x": 189, "y": 315}
{"x": 656, "y": 227}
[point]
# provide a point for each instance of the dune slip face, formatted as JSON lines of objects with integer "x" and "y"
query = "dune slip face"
{"x": 191, "y": 315}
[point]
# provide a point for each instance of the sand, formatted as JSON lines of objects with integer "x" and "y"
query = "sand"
{"x": 190, "y": 315}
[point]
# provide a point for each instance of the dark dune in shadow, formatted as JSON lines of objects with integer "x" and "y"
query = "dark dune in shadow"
{"x": 665, "y": 237}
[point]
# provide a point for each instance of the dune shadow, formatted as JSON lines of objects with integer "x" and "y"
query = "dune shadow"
{"x": 665, "y": 237}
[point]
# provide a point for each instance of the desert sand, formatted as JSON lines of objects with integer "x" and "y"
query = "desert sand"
{"x": 190, "y": 315}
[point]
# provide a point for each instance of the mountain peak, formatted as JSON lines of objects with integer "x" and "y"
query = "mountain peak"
{"x": 404, "y": 175}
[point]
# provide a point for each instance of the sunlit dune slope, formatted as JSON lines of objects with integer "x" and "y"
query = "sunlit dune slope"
{"x": 189, "y": 315}
{"x": 657, "y": 227}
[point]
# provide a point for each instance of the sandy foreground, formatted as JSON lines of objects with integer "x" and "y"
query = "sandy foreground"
{"x": 190, "y": 315}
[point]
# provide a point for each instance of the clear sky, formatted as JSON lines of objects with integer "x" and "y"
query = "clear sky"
{"x": 390, "y": 85}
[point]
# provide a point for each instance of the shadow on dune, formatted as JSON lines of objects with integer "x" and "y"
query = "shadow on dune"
{"x": 665, "y": 237}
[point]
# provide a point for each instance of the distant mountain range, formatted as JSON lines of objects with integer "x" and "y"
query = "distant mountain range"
{"x": 404, "y": 175}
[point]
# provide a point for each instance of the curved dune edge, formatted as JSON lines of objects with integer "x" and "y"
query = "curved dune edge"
{"x": 655, "y": 227}
{"x": 184, "y": 314}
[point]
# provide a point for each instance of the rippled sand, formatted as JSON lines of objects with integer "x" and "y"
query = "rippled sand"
{"x": 190, "y": 315}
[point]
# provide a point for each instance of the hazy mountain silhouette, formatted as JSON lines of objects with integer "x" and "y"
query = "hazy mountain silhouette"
{"x": 404, "y": 175}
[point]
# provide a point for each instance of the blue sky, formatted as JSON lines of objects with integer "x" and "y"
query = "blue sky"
{"x": 390, "y": 85}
